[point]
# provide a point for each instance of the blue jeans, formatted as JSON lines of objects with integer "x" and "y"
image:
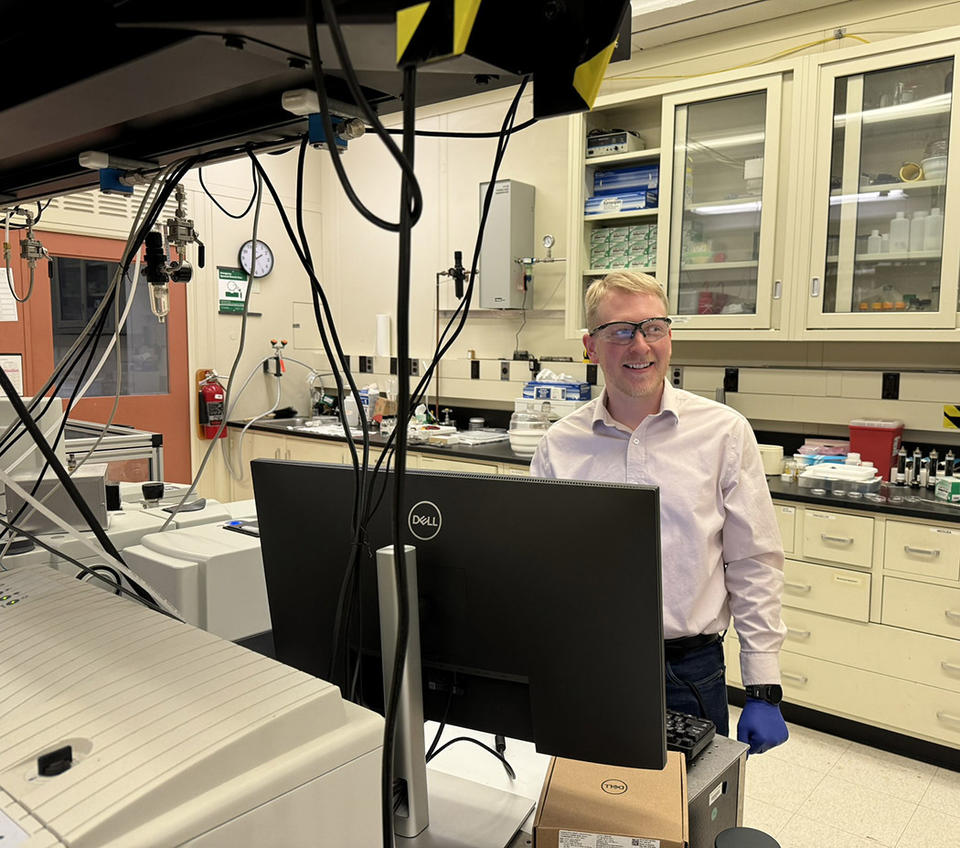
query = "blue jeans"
{"x": 703, "y": 670}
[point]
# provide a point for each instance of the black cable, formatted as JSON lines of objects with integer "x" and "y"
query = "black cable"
{"x": 361, "y": 101}
{"x": 216, "y": 202}
{"x": 150, "y": 604}
{"x": 512, "y": 774}
{"x": 449, "y": 134}
{"x": 392, "y": 700}
{"x": 96, "y": 569}
{"x": 66, "y": 481}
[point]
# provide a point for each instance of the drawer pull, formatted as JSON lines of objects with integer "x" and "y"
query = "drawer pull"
{"x": 796, "y": 678}
{"x": 953, "y": 615}
{"x": 839, "y": 540}
{"x": 930, "y": 552}
{"x": 944, "y": 716}
{"x": 949, "y": 666}
{"x": 799, "y": 634}
{"x": 806, "y": 587}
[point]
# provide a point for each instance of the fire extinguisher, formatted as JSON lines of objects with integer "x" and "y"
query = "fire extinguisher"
{"x": 210, "y": 405}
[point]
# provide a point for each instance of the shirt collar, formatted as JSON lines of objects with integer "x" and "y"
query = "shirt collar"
{"x": 669, "y": 408}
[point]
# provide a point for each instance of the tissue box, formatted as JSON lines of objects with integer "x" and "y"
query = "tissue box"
{"x": 556, "y": 391}
{"x": 603, "y": 204}
{"x": 948, "y": 489}
{"x": 620, "y": 180}
{"x": 585, "y": 804}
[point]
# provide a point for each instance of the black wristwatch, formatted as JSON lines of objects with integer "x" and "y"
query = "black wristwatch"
{"x": 772, "y": 693}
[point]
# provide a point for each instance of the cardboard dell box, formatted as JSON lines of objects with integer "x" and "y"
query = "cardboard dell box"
{"x": 586, "y": 805}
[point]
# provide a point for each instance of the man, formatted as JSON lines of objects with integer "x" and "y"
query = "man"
{"x": 721, "y": 547}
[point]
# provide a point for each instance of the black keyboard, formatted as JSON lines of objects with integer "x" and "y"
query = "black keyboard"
{"x": 688, "y": 734}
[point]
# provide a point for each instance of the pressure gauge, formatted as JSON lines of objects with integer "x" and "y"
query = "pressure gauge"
{"x": 263, "y": 264}
{"x": 548, "y": 241}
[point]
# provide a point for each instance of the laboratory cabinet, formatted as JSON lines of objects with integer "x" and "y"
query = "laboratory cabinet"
{"x": 873, "y": 629}
{"x": 885, "y": 199}
{"x": 806, "y": 198}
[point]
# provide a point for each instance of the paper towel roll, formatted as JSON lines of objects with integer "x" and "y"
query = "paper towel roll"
{"x": 383, "y": 335}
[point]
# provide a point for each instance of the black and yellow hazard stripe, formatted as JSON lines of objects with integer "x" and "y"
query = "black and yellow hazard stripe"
{"x": 434, "y": 30}
{"x": 951, "y": 416}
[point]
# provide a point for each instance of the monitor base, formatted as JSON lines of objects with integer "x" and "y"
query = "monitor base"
{"x": 466, "y": 814}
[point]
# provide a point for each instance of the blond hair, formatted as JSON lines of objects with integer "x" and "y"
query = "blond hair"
{"x": 620, "y": 281}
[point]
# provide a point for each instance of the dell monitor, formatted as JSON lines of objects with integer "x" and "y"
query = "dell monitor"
{"x": 539, "y": 601}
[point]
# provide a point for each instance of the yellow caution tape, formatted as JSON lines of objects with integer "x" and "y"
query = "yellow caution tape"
{"x": 589, "y": 75}
{"x": 408, "y": 20}
{"x": 951, "y": 417}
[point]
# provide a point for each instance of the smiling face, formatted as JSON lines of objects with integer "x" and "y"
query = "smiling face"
{"x": 634, "y": 372}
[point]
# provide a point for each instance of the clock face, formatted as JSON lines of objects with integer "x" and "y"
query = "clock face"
{"x": 264, "y": 260}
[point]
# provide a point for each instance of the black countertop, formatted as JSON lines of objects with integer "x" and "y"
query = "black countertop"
{"x": 495, "y": 452}
{"x": 912, "y": 503}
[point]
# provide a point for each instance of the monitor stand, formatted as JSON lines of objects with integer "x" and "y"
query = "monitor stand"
{"x": 443, "y": 811}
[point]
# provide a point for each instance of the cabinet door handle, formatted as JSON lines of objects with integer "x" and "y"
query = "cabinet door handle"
{"x": 840, "y": 540}
{"x": 949, "y": 666}
{"x": 798, "y": 587}
{"x": 945, "y": 716}
{"x": 777, "y": 289}
{"x": 796, "y": 678}
{"x": 930, "y": 552}
{"x": 953, "y": 615}
{"x": 798, "y": 634}
{"x": 814, "y": 287}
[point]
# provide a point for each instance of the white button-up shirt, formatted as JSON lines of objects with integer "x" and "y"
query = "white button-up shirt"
{"x": 721, "y": 550}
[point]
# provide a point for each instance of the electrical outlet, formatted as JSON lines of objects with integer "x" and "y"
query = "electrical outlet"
{"x": 475, "y": 369}
{"x": 393, "y": 365}
{"x": 676, "y": 376}
{"x": 366, "y": 364}
{"x": 890, "y": 385}
{"x": 414, "y": 367}
{"x": 504, "y": 370}
{"x": 731, "y": 380}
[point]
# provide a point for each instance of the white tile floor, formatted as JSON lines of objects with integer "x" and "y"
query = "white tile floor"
{"x": 820, "y": 791}
{"x": 815, "y": 791}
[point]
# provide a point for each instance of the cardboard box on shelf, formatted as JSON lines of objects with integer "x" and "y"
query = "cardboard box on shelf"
{"x": 586, "y": 804}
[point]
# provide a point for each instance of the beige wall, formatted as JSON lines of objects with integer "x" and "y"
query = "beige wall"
{"x": 358, "y": 262}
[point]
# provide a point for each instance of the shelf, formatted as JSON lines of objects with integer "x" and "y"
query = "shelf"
{"x": 601, "y": 272}
{"x": 617, "y": 158}
{"x": 881, "y": 187}
{"x": 917, "y": 255}
{"x": 714, "y": 266}
{"x": 618, "y": 216}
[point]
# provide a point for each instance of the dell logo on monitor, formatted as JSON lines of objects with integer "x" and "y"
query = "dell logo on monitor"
{"x": 424, "y": 520}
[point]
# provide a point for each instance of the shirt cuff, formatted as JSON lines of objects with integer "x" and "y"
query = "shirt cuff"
{"x": 759, "y": 667}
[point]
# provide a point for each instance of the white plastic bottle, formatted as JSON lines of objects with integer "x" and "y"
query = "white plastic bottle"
{"x": 917, "y": 231}
{"x": 885, "y": 243}
{"x": 874, "y": 242}
{"x": 933, "y": 230}
{"x": 899, "y": 234}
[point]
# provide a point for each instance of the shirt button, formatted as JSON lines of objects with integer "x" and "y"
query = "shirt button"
{"x": 636, "y": 441}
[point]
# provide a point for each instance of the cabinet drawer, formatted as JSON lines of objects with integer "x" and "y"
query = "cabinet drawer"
{"x": 932, "y": 660}
{"x": 921, "y": 606}
{"x": 432, "y": 463}
{"x": 900, "y": 705}
{"x": 822, "y": 588}
{"x": 836, "y": 537}
{"x": 922, "y": 549}
{"x": 787, "y": 519}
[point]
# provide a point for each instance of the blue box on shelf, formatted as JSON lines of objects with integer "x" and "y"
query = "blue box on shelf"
{"x": 631, "y": 179}
{"x": 632, "y": 201}
{"x": 556, "y": 391}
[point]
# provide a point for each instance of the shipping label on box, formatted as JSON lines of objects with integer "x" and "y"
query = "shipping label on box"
{"x": 556, "y": 391}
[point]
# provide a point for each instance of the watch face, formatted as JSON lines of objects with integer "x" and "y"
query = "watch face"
{"x": 264, "y": 259}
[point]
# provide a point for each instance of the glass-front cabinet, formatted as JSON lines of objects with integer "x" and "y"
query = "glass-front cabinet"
{"x": 882, "y": 202}
{"x": 721, "y": 162}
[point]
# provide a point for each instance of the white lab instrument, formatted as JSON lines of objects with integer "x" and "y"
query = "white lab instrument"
{"x": 212, "y": 575}
{"x": 197, "y": 512}
{"x": 176, "y": 737}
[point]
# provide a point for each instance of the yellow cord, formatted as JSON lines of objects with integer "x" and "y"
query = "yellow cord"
{"x": 780, "y": 55}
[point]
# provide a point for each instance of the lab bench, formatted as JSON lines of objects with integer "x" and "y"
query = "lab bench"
{"x": 871, "y": 597}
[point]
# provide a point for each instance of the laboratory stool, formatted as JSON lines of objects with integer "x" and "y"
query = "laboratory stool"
{"x": 744, "y": 837}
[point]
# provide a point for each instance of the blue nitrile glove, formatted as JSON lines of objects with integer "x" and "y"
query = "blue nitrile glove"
{"x": 761, "y": 726}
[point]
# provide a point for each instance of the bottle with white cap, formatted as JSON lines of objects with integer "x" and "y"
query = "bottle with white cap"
{"x": 917, "y": 231}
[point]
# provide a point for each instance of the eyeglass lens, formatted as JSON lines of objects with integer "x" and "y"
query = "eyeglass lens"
{"x": 622, "y": 332}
